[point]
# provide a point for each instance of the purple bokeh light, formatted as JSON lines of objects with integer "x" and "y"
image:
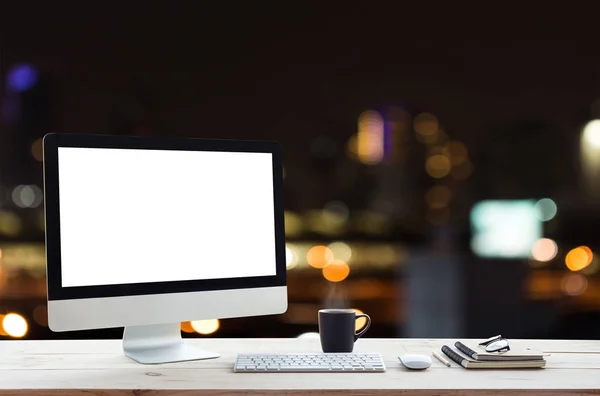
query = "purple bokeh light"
{"x": 21, "y": 77}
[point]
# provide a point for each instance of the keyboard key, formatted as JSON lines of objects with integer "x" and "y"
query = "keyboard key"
{"x": 309, "y": 362}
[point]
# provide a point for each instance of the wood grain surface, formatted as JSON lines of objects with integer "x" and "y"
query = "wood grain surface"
{"x": 99, "y": 368}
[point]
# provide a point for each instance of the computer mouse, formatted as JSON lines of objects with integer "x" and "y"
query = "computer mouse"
{"x": 415, "y": 362}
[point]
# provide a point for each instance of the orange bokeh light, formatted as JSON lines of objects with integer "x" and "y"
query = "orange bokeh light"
{"x": 319, "y": 256}
{"x": 589, "y": 254}
{"x": 2, "y": 332}
{"x": 336, "y": 271}
{"x": 186, "y": 327}
{"x": 577, "y": 259}
{"x": 360, "y": 322}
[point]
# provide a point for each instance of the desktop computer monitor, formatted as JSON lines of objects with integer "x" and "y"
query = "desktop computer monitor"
{"x": 145, "y": 233}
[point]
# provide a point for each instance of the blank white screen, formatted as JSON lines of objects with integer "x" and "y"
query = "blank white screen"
{"x": 136, "y": 216}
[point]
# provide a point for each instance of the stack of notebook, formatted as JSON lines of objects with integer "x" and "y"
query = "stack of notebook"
{"x": 475, "y": 356}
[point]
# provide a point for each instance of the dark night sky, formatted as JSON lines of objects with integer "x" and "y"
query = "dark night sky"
{"x": 296, "y": 70}
{"x": 243, "y": 70}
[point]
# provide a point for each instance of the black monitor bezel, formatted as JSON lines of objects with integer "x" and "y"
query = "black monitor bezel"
{"x": 53, "y": 141}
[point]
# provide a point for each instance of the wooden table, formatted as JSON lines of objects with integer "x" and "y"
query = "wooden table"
{"x": 99, "y": 368}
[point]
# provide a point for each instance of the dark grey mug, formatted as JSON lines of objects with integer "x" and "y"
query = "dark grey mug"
{"x": 337, "y": 329}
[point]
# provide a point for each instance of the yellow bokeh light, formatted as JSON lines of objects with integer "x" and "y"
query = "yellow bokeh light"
{"x": 544, "y": 249}
{"x": 293, "y": 224}
{"x": 14, "y": 325}
{"x": 593, "y": 267}
{"x": 352, "y": 146}
{"x": 319, "y": 256}
{"x": 208, "y": 326}
{"x": 336, "y": 271}
{"x": 458, "y": 152}
{"x": 10, "y": 224}
{"x": 577, "y": 259}
{"x": 591, "y": 133}
{"x": 438, "y": 197}
{"x": 37, "y": 151}
{"x": 341, "y": 251}
{"x": 360, "y": 322}
{"x": 370, "y": 137}
{"x": 438, "y": 166}
{"x": 426, "y": 124}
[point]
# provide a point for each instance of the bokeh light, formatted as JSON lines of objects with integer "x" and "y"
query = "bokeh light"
{"x": 10, "y": 224}
{"x": 25, "y": 196}
{"x": 207, "y": 326}
{"x": 336, "y": 213}
{"x": 591, "y": 133}
{"x": 426, "y": 124}
{"x": 578, "y": 258}
{"x": 546, "y": 208}
{"x": 293, "y": 224}
{"x": 14, "y": 325}
{"x": 593, "y": 267}
{"x": 319, "y": 256}
{"x": 438, "y": 166}
{"x": 370, "y": 140}
{"x": 590, "y": 254}
{"x": 2, "y": 332}
{"x": 458, "y": 153}
{"x": 21, "y": 77}
{"x": 360, "y": 322}
{"x": 336, "y": 271}
{"x": 40, "y": 315}
{"x": 341, "y": 251}
{"x": 37, "y": 150}
{"x": 310, "y": 335}
{"x": 438, "y": 196}
{"x": 290, "y": 258}
{"x": 352, "y": 147}
{"x": 186, "y": 327}
{"x": 574, "y": 284}
{"x": 544, "y": 249}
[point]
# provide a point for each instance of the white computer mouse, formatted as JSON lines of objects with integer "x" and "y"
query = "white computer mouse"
{"x": 415, "y": 362}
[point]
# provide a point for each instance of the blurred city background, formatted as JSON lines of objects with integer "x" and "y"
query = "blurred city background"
{"x": 442, "y": 165}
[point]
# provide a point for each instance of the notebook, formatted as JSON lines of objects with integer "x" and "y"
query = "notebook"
{"x": 458, "y": 357}
{"x": 479, "y": 353}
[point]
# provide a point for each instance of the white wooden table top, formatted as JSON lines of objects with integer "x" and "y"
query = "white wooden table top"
{"x": 98, "y": 367}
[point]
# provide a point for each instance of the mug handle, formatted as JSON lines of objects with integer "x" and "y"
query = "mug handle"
{"x": 364, "y": 330}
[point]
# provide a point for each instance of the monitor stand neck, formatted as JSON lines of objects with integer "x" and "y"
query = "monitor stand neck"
{"x": 161, "y": 343}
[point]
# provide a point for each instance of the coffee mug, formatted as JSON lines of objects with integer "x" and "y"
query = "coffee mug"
{"x": 337, "y": 329}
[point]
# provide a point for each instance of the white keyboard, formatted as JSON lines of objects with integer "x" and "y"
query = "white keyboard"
{"x": 309, "y": 362}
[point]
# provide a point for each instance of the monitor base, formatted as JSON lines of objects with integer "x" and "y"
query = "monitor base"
{"x": 155, "y": 344}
